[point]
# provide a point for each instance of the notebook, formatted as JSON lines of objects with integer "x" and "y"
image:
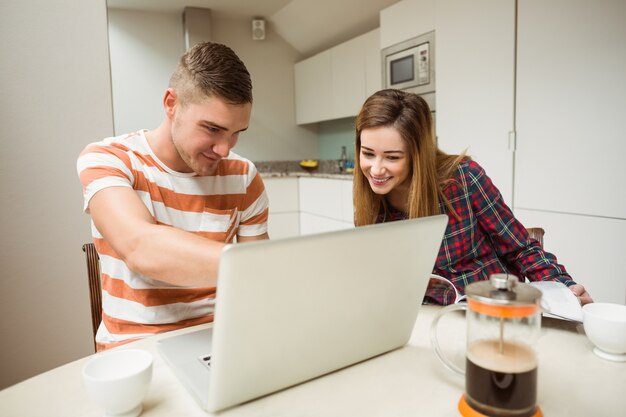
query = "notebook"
{"x": 293, "y": 309}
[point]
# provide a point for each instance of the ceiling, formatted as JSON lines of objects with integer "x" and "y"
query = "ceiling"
{"x": 310, "y": 26}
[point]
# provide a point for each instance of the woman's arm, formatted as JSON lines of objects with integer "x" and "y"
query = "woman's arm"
{"x": 510, "y": 238}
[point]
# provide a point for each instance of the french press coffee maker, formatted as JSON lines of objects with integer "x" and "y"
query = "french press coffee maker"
{"x": 503, "y": 319}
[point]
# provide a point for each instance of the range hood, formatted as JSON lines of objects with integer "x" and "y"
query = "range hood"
{"x": 196, "y": 25}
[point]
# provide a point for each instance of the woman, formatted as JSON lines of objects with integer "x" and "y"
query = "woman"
{"x": 400, "y": 174}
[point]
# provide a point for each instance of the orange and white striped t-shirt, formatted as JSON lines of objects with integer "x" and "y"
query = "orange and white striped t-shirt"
{"x": 230, "y": 202}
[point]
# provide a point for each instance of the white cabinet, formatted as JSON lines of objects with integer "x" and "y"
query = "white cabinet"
{"x": 475, "y": 84}
{"x": 589, "y": 247}
{"x": 312, "y": 224}
{"x": 475, "y": 70}
{"x": 284, "y": 216}
{"x": 325, "y": 205}
{"x": 308, "y": 205}
{"x": 320, "y": 196}
{"x": 334, "y": 83}
{"x": 348, "y": 63}
{"x": 373, "y": 63}
{"x": 560, "y": 86}
{"x": 347, "y": 204}
{"x": 313, "y": 78}
{"x": 405, "y": 20}
{"x": 571, "y": 103}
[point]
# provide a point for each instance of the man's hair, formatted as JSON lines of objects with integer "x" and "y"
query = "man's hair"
{"x": 211, "y": 70}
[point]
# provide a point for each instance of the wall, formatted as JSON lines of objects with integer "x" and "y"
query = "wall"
{"x": 333, "y": 135}
{"x": 142, "y": 40}
{"x": 56, "y": 97}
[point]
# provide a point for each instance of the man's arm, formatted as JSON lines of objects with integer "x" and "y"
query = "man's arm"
{"x": 242, "y": 239}
{"x": 161, "y": 252}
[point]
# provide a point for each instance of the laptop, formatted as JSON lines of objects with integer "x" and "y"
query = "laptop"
{"x": 293, "y": 309}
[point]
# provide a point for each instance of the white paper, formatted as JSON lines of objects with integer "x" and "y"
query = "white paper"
{"x": 559, "y": 301}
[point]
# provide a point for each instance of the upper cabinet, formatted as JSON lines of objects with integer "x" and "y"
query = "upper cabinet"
{"x": 334, "y": 83}
{"x": 373, "y": 64}
{"x": 348, "y": 79}
{"x": 405, "y": 20}
{"x": 314, "y": 83}
{"x": 475, "y": 84}
{"x": 571, "y": 103}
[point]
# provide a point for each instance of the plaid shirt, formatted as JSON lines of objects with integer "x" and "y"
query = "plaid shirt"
{"x": 486, "y": 240}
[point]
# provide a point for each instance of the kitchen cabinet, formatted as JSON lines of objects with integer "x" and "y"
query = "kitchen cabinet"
{"x": 506, "y": 66}
{"x": 405, "y": 20}
{"x": 570, "y": 112}
{"x": 334, "y": 83}
{"x": 308, "y": 205}
{"x": 313, "y": 78}
{"x": 373, "y": 64}
{"x": 348, "y": 77}
{"x": 325, "y": 205}
{"x": 589, "y": 247}
{"x": 347, "y": 203}
{"x": 475, "y": 84}
{"x": 570, "y": 141}
{"x": 284, "y": 216}
{"x": 553, "y": 168}
{"x": 311, "y": 224}
{"x": 475, "y": 67}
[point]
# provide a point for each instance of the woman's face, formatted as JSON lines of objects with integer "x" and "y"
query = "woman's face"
{"x": 384, "y": 160}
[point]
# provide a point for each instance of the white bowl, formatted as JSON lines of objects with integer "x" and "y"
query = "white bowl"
{"x": 118, "y": 380}
{"x": 605, "y": 326}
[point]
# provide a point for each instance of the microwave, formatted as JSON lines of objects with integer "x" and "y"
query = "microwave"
{"x": 410, "y": 66}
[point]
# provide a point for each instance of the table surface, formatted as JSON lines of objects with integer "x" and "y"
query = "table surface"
{"x": 409, "y": 381}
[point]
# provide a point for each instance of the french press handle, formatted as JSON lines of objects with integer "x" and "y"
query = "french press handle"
{"x": 434, "y": 341}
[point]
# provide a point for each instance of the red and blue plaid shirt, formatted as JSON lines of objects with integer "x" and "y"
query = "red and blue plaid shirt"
{"x": 486, "y": 239}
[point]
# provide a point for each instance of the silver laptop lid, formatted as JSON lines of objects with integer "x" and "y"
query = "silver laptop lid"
{"x": 293, "y": 309}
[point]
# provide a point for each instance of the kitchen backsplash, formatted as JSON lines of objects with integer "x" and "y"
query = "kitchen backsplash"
{"x": 334, "y": 134}
{"x": 293, "y": 167}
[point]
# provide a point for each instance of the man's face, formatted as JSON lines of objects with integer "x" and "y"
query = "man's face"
{"x": 204, "y": 133}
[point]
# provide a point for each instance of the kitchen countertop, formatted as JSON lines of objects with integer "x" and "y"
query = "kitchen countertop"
{"x": 278, "y": 169}
{"x": 305, "y": 174}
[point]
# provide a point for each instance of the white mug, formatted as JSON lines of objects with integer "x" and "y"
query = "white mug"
{"x": 118, "y": 381}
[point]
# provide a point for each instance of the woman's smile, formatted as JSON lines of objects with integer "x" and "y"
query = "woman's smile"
{"x": 379, "y": 181}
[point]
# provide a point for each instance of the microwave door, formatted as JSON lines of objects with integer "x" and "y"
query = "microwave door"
{"x": 402, "y": 70}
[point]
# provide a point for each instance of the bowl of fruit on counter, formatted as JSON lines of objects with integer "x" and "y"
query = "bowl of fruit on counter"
{"x": 309, "y": 165}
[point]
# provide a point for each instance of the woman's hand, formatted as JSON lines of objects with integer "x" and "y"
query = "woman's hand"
{"x": 581, "y": 293}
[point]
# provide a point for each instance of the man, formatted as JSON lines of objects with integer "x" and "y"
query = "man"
{"x": 164, "y": 202}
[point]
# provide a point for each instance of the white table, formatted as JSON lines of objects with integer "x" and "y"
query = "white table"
{"x": 406, "y": 382}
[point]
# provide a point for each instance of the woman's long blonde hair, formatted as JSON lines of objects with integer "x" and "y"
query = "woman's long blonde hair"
{"x": 430, "y": 168}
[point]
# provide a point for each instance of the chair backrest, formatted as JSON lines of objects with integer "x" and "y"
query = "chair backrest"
{"x": 95, "y": 289}
{"x": 537, "y": 234}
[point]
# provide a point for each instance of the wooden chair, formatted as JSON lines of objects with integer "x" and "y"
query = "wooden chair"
{"x": 95, "y": 289}
{"x": 537, "y": 234}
